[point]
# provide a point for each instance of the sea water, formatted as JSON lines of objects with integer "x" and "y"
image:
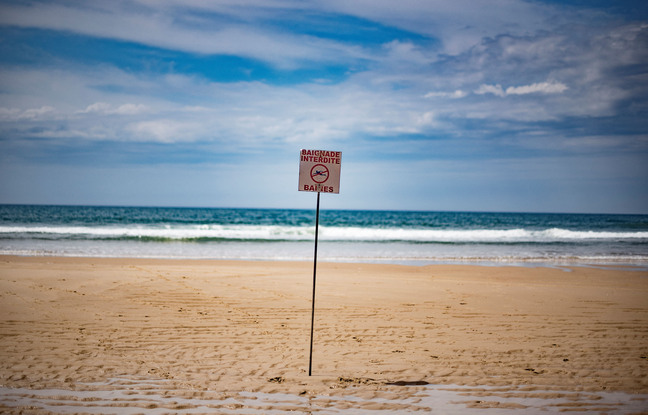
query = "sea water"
{"x": 344, "y": 235}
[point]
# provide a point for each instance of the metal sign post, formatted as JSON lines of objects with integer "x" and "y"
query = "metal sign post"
{"x": 319, "y": 171}
{"x": 310, "y": 358}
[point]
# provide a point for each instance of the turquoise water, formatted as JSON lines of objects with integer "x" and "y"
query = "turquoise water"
{"x": 345, "y": 235}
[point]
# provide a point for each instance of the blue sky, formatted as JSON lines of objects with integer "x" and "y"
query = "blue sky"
{"x": 490, "y": 105}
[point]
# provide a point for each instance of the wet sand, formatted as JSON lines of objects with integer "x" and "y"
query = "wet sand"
{"x": 233, "y": 336}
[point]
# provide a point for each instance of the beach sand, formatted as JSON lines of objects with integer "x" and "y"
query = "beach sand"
{"x": 158, "y": 336}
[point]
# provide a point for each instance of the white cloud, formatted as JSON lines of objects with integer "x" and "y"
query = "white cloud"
{"x": 108, "y": 109}
{"x": 454, "y": 94}
{"x": 16, "y": 114}
{"x": 542, "y": 87}
{"x": 490, "y": 89}
{"x": 426, "y": 119}
{"x": 166, "y": 131}
{"x": 249, "y": 27}
{"x": 459, "y": 24}
{"x": 130, "y": 109}
{"x": 97, "y": 107}
{"x": 163, "y": 27}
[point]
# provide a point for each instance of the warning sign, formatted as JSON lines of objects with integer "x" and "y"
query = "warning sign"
{"x": 319, "y": 171}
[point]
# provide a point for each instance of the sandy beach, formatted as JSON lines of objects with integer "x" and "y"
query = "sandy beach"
{"x": 187, "y": 336}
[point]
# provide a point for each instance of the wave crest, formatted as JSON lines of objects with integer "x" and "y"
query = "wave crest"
{"x": 271, "y": 233}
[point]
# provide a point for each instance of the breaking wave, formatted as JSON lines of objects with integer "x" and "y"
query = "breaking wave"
{"x": 270, "y": 233}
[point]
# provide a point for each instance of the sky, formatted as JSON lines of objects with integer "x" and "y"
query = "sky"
{"x": 490, "y": 105}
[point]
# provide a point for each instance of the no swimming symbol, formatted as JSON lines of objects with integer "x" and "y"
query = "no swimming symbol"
{"x": 319, "y": 173}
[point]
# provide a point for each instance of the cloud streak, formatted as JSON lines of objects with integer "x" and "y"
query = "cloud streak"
{"x": 541, "y": 87}
{"x": 143, "y": 23}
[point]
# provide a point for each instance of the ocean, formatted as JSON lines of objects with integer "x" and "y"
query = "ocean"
{"x": 398, "y": 237}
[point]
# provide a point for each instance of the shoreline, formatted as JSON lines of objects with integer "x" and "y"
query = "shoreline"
{"x": 564, "y": 264}
{"x": 381, "y": 330}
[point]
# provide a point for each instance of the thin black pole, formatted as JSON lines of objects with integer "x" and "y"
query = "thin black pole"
{"x": 310, "y": 360}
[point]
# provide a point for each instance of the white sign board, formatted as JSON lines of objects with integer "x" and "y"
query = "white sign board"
{"x": 319, "y": 171}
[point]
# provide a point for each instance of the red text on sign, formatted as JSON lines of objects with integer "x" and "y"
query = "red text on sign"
{"x": 318, "y": 188}
{"x": 321, "y": 156}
